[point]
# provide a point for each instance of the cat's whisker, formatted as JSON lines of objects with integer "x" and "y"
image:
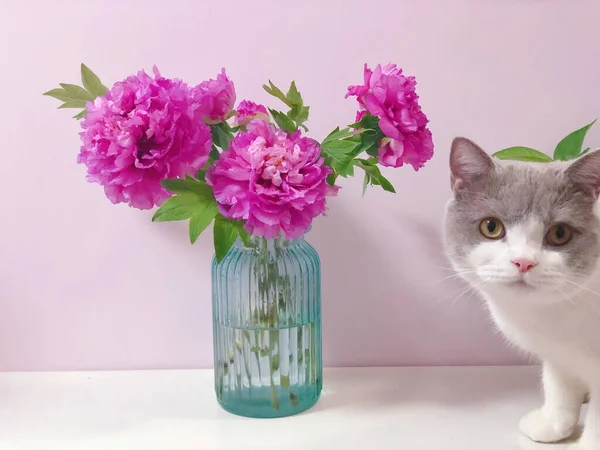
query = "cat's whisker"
{"x": 455, "y": 275}
{"x": 452, "y": 300}
{"x": 449, "y": 268}
{"x": 584, "y": 288}
{"x": 468, "y": 290}
{"x": 582, "y": 297}
{"x": 568, "y": 299}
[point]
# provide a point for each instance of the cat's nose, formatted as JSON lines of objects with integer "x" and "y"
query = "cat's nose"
{"x": 524, "y": 264}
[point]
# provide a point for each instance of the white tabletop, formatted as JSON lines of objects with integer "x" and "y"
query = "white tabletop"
{"x": 361, "y": 409}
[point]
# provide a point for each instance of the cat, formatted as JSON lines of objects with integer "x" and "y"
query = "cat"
{"x": 527, "y": 237}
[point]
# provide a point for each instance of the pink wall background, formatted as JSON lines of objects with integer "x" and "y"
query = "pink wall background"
{"x": 88, "y": 285}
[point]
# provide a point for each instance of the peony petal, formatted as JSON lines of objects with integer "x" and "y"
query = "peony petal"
{"x": 373, "y": 106}
{"x": 389, "y": 129}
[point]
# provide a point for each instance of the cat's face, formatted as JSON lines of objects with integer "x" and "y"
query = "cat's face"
{"x": 522, "y": 227}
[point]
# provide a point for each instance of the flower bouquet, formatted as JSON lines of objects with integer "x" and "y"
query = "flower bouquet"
{"x": 254, "y": 174}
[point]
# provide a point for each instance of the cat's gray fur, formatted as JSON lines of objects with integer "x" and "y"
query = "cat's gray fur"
{"x": 512, "y": 191}
{"x": 552, "y": 309}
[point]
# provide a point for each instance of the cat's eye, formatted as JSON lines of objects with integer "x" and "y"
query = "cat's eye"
{"x": 559, "y": 234}
{"x": 492, "y": 228}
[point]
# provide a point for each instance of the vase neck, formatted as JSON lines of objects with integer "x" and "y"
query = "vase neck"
{"x": 268, "y": 245}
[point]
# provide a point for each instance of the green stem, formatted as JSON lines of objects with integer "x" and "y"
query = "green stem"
{"x": 313, "y": 350}
{"x": 270, "y": 313}
{"x": 273, "y": 367}
{"x": 246, "y": 335}
{"x": 257, "y": 353}
{"x": 275, "y": 283}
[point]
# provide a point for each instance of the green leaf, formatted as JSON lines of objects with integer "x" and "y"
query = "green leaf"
{"x": 77, "y": 92}
{"x": 244, "y": 236}
{"x": 336, "y": 130}
{"x": 179, "y": 207}
{"x": 293, "y": 96}
{"x": 386, "y": 185}
{"x": 188, "y": 185}
{"x": 375, "y": 176}
{"x": 299, "y": 114}
{"x": 201, "y": 219}
{"x": 348, "y": 170}
{"x": 276, "y": 92}
{"x": 212, "y": 157}
{"x": 285, "y": 381}
{"x": 91, "y": 82}
{"x": 331, "y": 179}
{"x": 225, "y": 234}
{"x": 80, "y": 115}
{"x": 522, "y": 154}
{"x": 570, "y": 146}
{"x": 339, "y": 155}
{"x": 71, "y": 94}
{"x": 368, "y": 122}
{"x": 214, "y": 154}
{"x": 221, "y": 135}
{"x": 283, "y": 121}
{"x": 338, "y": 134}
{"x": 59, "y": 94}
{"x": 73, "y": 104}
{"x": 585, "y": 151}
{"x": 369, "y": 141}
{"x": 194, "y": 201}
{"x": 366, "y": 183}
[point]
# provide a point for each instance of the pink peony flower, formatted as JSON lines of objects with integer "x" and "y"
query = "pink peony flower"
{"x": 273, "y": 180}
{"x": 415, "y": 149}
{"x": 142, "y": 131}
{"x": 391, "y": 96}
{"x": 216, "y": 97}
{"x": 248, "y": 110}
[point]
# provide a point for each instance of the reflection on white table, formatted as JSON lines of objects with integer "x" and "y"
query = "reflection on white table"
{"x": 361, "y": 409}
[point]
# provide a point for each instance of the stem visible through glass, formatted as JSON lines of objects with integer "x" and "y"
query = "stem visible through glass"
{"x": 267, "y": 314}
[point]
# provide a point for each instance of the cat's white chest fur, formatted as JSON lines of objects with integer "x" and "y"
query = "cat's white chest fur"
{"x": 565, "y": 332}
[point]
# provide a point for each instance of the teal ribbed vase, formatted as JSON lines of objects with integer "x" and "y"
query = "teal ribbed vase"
{"x": 267, "y": 328}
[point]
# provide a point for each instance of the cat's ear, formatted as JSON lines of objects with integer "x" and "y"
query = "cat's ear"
{"x": 469, "y": 165}
{"x": 585, "y": 173}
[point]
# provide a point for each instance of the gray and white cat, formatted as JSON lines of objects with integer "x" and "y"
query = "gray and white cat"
{"x": 526, "y": 235}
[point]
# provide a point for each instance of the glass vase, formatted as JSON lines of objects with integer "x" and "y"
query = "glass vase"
{"x": 267, "y": 328}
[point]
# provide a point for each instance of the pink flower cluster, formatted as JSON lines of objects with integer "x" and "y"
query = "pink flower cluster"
{"x": 248, "y": 110}
{"x": 273, "y": 180}
{"x": 391, "y": 96}
{"x": 146, "y": 129}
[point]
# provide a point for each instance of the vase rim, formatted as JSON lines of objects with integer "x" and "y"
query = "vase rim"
{"x": 281, "y": 240}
